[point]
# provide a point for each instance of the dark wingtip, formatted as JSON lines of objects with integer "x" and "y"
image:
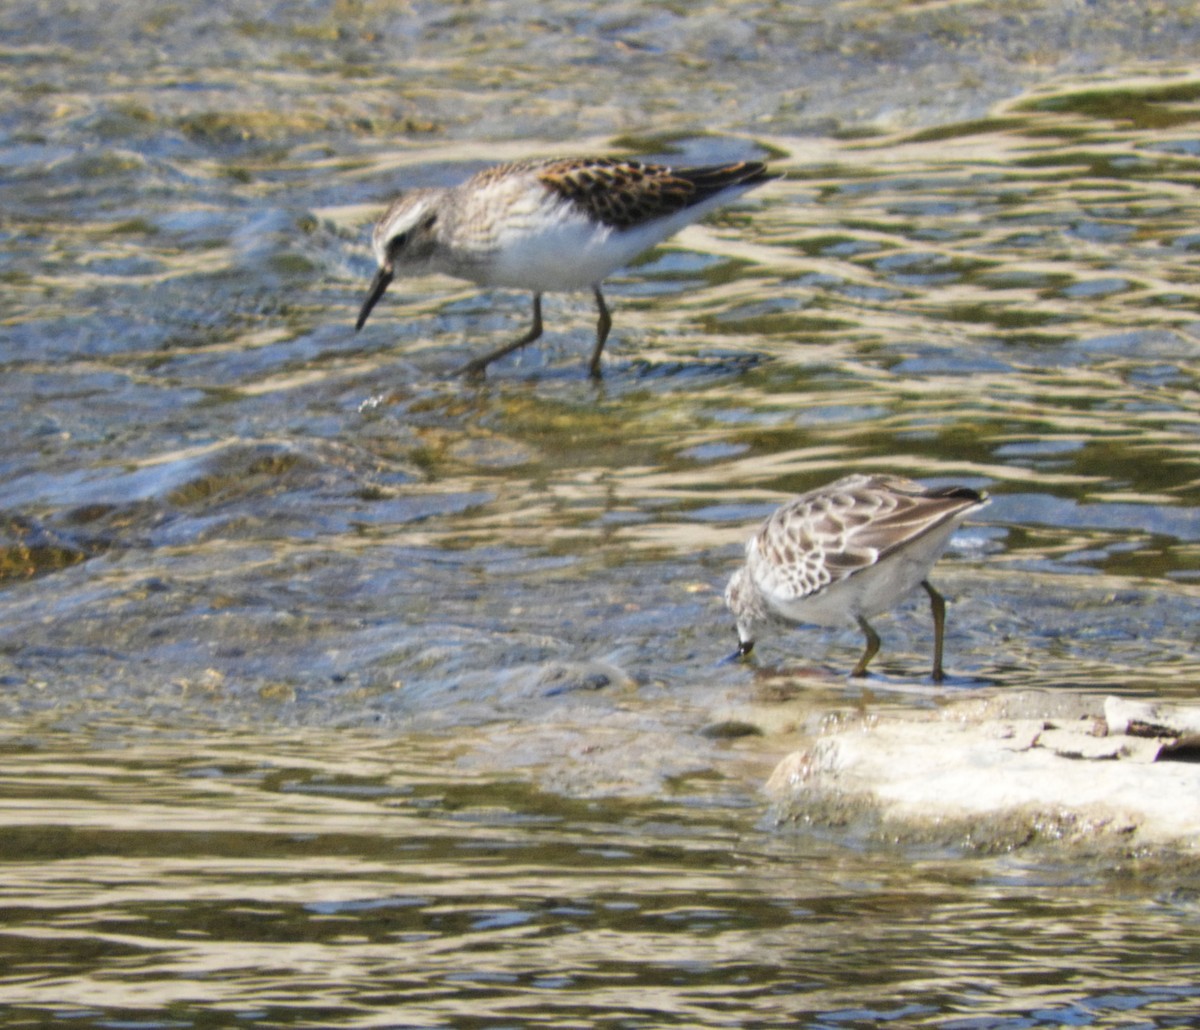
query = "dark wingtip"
{"x": 758, "y": 172}
{"x": 710, "y": 180}
{"x": 961, "y": 493}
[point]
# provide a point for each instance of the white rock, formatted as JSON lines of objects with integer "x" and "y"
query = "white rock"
{"x": 971, "y": 772}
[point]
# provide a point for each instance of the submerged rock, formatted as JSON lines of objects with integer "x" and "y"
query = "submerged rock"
{"x": 1007, "y": 772}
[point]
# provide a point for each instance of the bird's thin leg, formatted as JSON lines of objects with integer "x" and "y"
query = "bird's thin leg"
{"x": 603, "y": 325}
{"x": 937, "y": 604}
{"x": 872, "y": 647}
{"x": 477, "y": 366}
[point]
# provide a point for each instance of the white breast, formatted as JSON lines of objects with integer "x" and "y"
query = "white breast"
{"x": 544, "y": 242}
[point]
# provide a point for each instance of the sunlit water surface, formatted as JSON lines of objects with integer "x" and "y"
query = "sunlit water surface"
{"x": 337, "y": 880}
{"x": 337, "y": 691}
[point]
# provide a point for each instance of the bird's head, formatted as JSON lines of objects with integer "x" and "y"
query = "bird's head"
{"x": 744, "y": 600}
{"x": 402, "y": 242}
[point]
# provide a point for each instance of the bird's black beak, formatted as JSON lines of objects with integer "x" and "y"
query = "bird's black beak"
{"x": 380, "y": 283}
{"x": 744, "y": 648}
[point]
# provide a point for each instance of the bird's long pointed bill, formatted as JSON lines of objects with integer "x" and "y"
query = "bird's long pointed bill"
{"x": 378, "y": 285}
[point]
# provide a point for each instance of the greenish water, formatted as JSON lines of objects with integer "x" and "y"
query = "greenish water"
{"x": 335, "y": 691}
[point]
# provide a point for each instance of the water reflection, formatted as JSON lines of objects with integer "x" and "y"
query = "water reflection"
{"x": 235, "y": 536}
{"x": 325, "y": 879}
{"x": 1006, "y": 302}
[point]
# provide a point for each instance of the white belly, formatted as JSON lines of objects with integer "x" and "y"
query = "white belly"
{"x": 570, "y": 254}
{"x": 556, "y": 247}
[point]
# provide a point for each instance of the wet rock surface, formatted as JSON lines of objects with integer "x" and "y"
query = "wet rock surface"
{"x": 1004, "y": 772}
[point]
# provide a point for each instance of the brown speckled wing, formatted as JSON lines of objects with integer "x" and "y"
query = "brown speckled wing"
{"x": 624, "y": 194}
{"x": 805, "y": 546}
{"x": 831, "y": 533}
{"x": 905, "y": 510}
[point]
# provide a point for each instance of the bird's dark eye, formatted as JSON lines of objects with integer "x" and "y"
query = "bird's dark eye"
{"x": 398, "y": 242}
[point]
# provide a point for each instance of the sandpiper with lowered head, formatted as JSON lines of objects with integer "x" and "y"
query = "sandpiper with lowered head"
{"x": 846, "y": 552}
{"x": 547, "y": 225}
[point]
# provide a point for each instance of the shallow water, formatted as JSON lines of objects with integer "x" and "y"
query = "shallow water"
{"x": 337, "y": 691}
{"x": 337, "y": 880}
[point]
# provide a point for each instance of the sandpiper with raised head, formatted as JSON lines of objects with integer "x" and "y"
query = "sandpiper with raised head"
{"x": 845, "y": 553}
{"x": 547, "y": 225}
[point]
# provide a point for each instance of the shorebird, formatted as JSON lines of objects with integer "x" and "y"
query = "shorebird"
{"x": 547, "y": 225}
{"x": 846, "y": 552}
